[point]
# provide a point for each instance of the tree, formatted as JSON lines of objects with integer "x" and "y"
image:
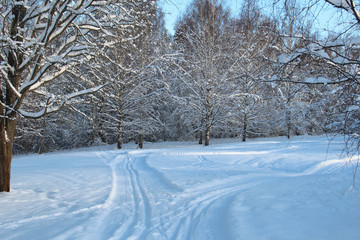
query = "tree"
{"x": 293, "y": 67}
{"x": 341, "y": 58}
{"x": 41, "y": 41}
{"x": 338, "y": 56}
{"x": 255, "y": 41}
{"x": 202, "y": 38}
{"x": 347, "y": 5}
{"x": 133, "y": 69}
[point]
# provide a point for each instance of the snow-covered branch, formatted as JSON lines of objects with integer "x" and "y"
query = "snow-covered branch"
{"x": 56, "y": 103}
{"x": 348, "y": 5}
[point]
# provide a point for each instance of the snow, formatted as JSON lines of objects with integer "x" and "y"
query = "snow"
{"x": 322, "y": 80}
{"x": 341, "y": 3}
{"x": 353, "y": 108}
{"x": 285, "y": 58}
{"x": 263, "y": 189}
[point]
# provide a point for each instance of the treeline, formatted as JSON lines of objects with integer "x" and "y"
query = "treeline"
{"x": 219, "y": 76}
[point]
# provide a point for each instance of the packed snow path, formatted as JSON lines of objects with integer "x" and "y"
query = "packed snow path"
{"x": 264, "y": 189}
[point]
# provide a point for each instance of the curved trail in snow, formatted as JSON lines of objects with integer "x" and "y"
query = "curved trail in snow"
{"x": 239, "y": 191}
{"x": 144, "y": 204}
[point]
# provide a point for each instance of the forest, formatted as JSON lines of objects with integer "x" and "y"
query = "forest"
{"x": 85, "y": 73}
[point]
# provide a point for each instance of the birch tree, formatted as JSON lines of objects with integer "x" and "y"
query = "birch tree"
{"x": 254, "y": 43}
{"x": 201, "y": 36}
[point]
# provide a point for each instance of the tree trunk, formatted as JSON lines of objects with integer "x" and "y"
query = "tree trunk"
{"x": 141, "y": 133}
{"x": 7, "y": 131}
{"x": 207, "y": 120}
{"x": 120, "y": 110}
{"x": 200, "y": 137}
{"x": 42, "y": 145}
{"x": 120, "y": 134}
{"x": 288, "y": 130}
{"x": 7, "y": 136}
{"x": 140, "y": 141}
{"x": 95, "y": 127}
{"x": 207, "y": 136}
{"x": 5, "y": 168}
{"x": 207, "y": 129}
{"x": 8, "y": 115}
{"x": 244, "y": 135}
{"x": 288, "y": 122}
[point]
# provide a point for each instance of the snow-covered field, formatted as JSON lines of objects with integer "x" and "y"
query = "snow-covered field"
{"x": 262, "y": 189}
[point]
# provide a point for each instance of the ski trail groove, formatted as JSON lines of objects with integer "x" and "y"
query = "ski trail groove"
{"x": 103, "y": 223}
{"x": 156, "y": 207}
{"x": 197, "y": 206}
{"x": 139, "y": 222}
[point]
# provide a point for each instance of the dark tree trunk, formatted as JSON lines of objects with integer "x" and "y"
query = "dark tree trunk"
{"x": 200, "y": 137}
{"x": 244, "y": 135}
{"x": 288, "y": 120}
{"x": 5, "y": 168}
{"x": 7, "y": 131}
{"x": 120, "y": 134}
{"x": 42, "y": 145}
{"x": 141, "y": 133}
{"x": 95, "y": 127}
{"x": 8, "y": 116}
{"x": 207, "y": 123}
{"x": 140, "y": 141}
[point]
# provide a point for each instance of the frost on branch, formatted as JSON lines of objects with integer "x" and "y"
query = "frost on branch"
{"x": 347, "y": 5}
{"x": 43, "y": 40}
{"x": 45, "y": 51}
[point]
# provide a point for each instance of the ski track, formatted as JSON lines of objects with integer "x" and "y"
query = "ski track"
{"x": 142, "y": 203}
{"x": 189, "y": 212}
{"x": 186, "y": 209}
{"x": 180, "y": 214}
{"x": 197, "y": 208}
{"x": 140, "y": 220}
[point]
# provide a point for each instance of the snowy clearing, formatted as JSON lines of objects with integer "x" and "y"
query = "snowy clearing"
{"x": 263, "y": 189}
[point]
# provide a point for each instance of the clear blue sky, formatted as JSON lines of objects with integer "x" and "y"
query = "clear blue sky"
{"x": 174, "y": 8}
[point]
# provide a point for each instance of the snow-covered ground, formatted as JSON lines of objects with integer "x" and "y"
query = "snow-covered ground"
{"x": 262, "y": 189}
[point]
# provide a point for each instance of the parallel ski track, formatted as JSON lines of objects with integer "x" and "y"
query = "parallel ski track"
{"x": 188, "y": 208}
{"x": 136, "y": 226}
{"x": 144, "y": 204}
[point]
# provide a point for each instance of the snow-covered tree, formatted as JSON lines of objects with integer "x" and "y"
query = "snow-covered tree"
{"x": 342, "y": 60}
{"x": 41, "y": 41}
{"x": 202, "y": 38}
{"x": 335, "y": 62}
{"x": 349, "y": 6}
{"x": 254, "y": 41}
{"x": 293, "y": 67}
{"x": 136, "y": 85}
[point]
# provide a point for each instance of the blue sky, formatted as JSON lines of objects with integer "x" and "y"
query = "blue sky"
{"x": 174, "y": 8}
